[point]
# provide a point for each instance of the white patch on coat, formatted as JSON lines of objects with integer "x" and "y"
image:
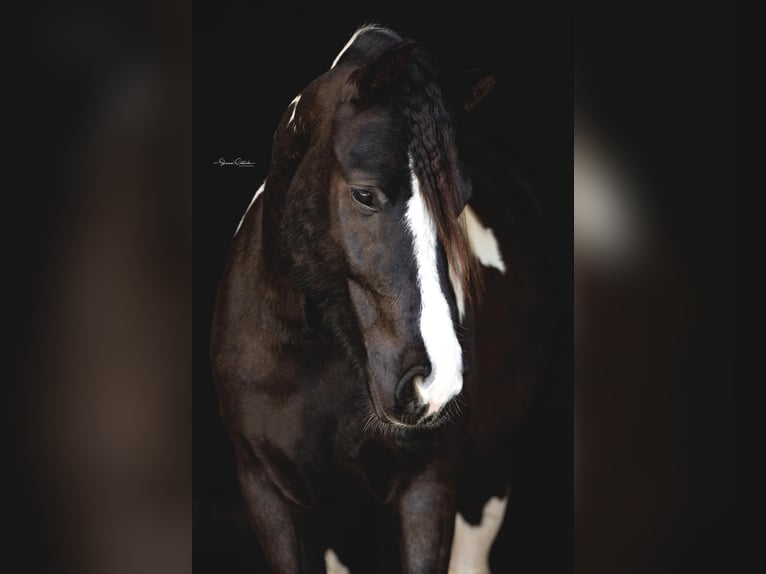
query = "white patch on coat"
{"x": 471, "y": 544}
{"x": 258, "y": 192}
{"x": 436, "y": 326}
{"x": 333, "y": 563}
{"x": 483, "y": 242}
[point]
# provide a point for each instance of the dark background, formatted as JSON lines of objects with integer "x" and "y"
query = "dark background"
{"x": 249, "y": 64}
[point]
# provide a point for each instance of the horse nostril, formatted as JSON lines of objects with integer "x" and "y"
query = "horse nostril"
{"x": 405, "y": 391}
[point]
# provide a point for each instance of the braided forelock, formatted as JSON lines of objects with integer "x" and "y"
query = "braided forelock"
{"x": 434, "y": 159}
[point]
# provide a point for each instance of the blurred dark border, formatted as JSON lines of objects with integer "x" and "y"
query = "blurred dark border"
{"x": 97, "y": 235}
{"x": 668, "y": 379}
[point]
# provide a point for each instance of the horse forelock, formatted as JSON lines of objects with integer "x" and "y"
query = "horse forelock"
{"x": 434, "y": 161}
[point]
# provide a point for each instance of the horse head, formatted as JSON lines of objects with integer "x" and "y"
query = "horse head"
{"x": 362, "y": 211}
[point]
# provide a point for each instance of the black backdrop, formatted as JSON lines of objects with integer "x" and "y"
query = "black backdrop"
{"x": 249, "y": 63}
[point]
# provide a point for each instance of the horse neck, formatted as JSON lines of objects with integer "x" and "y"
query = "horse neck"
{"x": 275, "y": 304}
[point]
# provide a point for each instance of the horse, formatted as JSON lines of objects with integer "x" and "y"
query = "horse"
{"x": 379, "y": 328}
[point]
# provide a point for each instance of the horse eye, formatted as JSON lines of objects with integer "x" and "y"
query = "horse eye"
{"x": 362, "y": 196}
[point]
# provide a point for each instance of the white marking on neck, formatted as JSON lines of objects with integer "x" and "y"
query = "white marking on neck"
{"x": 258, "y": 192}
{"x": 353, "y": 38}
{"x": 294, "y": 104}
{"x": 483, "y": 242}
{"x": 333, "y": 563}
{"x": 436, "y": 327}
{"x": 471, "y": 544}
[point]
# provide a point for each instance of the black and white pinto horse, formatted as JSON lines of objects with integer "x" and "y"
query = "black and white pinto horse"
{"x": 376, "y": 337}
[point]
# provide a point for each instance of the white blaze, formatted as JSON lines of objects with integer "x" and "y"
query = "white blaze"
{"x": 436, "y": 327}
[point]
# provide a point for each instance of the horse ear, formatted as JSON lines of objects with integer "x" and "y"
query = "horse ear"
{"x": 463, "y": 91}
{"x": 372, "y": 80}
